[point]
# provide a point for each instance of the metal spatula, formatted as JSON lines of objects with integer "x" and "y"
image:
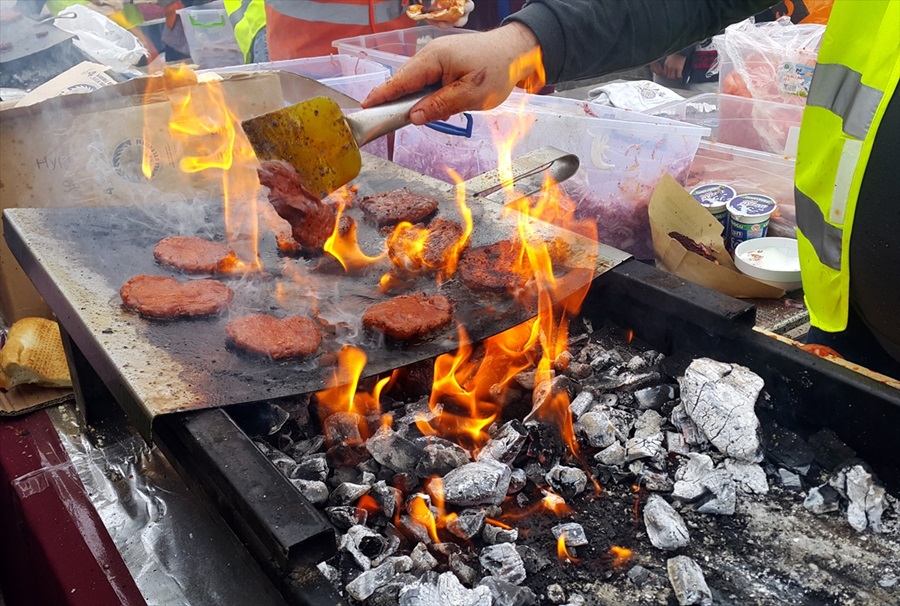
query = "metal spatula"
{"x": 317, "y": 139}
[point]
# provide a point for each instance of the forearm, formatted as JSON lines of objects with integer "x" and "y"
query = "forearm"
{"x": 582, "y": 38}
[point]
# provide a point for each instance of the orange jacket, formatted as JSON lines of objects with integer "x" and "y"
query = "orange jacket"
{"x": 306, "y": 28}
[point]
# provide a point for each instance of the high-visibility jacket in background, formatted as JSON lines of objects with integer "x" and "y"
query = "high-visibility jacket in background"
{"x": 856, "y": 75}
{"x": 306, "y": 28}
{"x": 247, "y": 17}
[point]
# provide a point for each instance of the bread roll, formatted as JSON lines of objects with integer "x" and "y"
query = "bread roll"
{"x": 34, "y": 354}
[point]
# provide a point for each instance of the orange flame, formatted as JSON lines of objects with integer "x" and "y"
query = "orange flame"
{"x": 451, "y": 257}
{"x": 344, "y": 246}
{"x": 621, "y": 555}
{"x": 562, "y": 552}
{"x": 342, "y": 396}
{"x": 211, "y": 138}
{"x": 497, "y": 523}
{"x": 555, "y": 503}
{"x": 436, "y": 516}
{"x": 369, "y": 504}
{"x": 420, "y": 512}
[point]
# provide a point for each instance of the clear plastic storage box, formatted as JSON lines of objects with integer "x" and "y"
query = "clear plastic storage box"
{"x": 210, "y": 37}
{"x": 353, "y": 76}
{"x": 740, "y": 121}
{"x": 393, "y": 49}
{"x": 623, "y": 155}
{"x": 749, "y": 172}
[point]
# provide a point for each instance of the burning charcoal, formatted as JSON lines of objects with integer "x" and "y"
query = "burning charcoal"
{"x": 401, "y": 563}
{"x": 346, "y": 455}
{"x": 484, "y": 482}
{"x": 648, "y": 424}
{"x": 630, "y": 381}
{"x": 656, "y": 481}
{"x": 347, "y": 493}
{"x": 394, "y": 451}
{"x": 562, "y": 361}
{"x": 688, "y": 582}
{"x": 596, "y": 429}
{"x": 698, "y": 480}
{"x": 440, "y": 456}
{"x": 636, "y": 363}
{"x": 506, "y": 444}
{"x": 507, "y": 594}
{"x": 576, "y": 599}
{"x": 822, "y": 499}
{"x": 534, "y": 561}
{"x": 675, "y": 443}
{"x": 683, "y": 423}
{"x": 888, "y": 581}
{"x": 866, "y": 500}
{"x": 556, "y": 594}
{"x": 316, "y": 492}
{"x": 579, "y": 371}
{"x": 284, "y": 463}
{"x": 653, "y": 357}
{"x": 343, "y": 428}
{"x": 445, "y": 591}
{"x": 363, "y": 544}
{"x": 386, "y": 497}
{"x": 787, "y": 449}
{"x": 312, "y": 468}
{"x": 653, "y": 398}
{"x": 574, "y": 534}
{"x": 568, "y": 481}
{"x": 644, "y": 448}
{"x": 300, "y": 450}
{"x": 612, "y": 455}
{"x": 544, "y": 392}
{"x": 363, "y": 586}
{"x": 458, "y": 565}
{"x": 665, "y": 528}
{"x": 330, "y": 573}
{"x": 260, "y": 419}
{"x": 345, "y": 517}
{"x": 370, "y": 466}
{"x": 638, "y": 575}
{"x": 790, "y": 480}
{"x": 445, "y": 550}
{"x": 720, "y": 399}
{"x": 581, "y": 404}
{"x": 468, "y": 524}
{"x": 517, "y": 481}
{"x": 522, "y": 500}
{"x": 415, "y": 528}
{"x": 748, "y": 477}
{"x": 830, "y": 452}
{"x": 494, "y": 535}
{"x": 422, "y": 559}
{"x": 503, "y": 562}
{"x": 367, "y": 478}
{"x": 341, "y": 475}
{"x": 405, "y": 482}
{"x": 526, "y": 379}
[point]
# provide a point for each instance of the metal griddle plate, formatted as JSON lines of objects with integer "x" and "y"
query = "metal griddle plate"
{"x": 78, "y": 259}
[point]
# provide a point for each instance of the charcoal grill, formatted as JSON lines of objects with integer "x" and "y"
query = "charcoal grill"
{"x": 287, "y": 536}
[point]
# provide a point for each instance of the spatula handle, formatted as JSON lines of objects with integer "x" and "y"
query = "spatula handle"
{"x": 369, "y": 124}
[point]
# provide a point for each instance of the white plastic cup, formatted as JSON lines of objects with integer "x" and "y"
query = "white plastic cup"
{"x": 715, "y": 198}
{"x": 748, "y": 217}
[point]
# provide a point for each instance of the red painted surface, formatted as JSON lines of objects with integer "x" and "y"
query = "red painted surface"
{"x": 54, "y": 548}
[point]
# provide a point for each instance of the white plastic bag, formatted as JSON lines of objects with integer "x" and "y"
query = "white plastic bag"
{"x": 102, "y": 40}
{"x": 771, "y": 61}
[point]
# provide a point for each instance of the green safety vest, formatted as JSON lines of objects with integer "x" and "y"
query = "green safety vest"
{"x": 247, "y": 17}
{"x": 857, "y": 72}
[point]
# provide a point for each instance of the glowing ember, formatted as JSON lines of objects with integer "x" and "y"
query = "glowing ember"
{"x": 555, "y": 503}
{"x": 620, "y": 555}
{"x": 497, "y": 523}
{"x": 368, "y": 503}
{"x": 342, "y": 396}
{"x": 562, "y": 552}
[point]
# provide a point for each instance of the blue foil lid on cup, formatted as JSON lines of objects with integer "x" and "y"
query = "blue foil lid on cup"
{"x": 751, "y": 208}
{"x": 713, "y": 196}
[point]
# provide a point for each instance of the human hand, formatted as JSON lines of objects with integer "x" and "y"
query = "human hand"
{"x": 477, "y": 71}
{"x": 672, "y": 67}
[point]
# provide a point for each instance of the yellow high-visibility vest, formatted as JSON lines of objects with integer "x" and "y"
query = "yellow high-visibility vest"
{"x": 247, "y": 17}
{"x": 857, "y": 72}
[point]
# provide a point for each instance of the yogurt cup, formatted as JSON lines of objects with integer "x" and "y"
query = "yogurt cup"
{"x": 749, "y": 217}
{"x": 715, "y": 198}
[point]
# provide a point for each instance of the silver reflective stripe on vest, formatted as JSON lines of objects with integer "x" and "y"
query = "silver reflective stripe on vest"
{"x": 337, "y": 12}
{"x": 823, "y": 236}
{"x": 839, "y": 89}
{"x": 237, "y": 15}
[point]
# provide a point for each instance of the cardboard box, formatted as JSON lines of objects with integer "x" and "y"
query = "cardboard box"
{"x": 672, "y": 208}
{"x": 87, "y": 149}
